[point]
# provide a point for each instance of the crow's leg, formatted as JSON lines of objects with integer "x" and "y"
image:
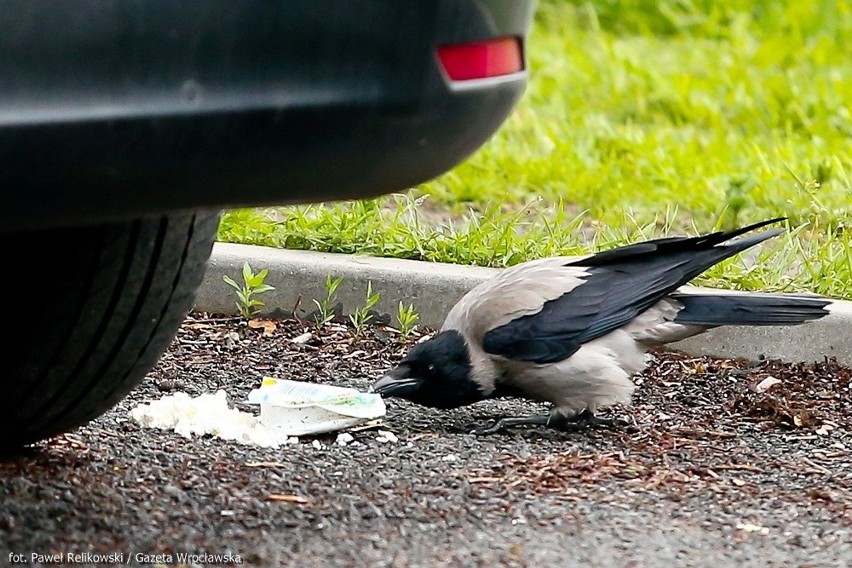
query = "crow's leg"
{"x": 555, "y": 420}
{"x": 508, "y": 422}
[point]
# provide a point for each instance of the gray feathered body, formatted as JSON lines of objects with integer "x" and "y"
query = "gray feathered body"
{"x": 574, "y": 331}
{"x": 598, "y": 374}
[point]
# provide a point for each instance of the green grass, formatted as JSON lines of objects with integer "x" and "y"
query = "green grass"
{"x": 640, "y": 118}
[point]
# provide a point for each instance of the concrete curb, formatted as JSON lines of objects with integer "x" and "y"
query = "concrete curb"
{"x": 433, "y": 288}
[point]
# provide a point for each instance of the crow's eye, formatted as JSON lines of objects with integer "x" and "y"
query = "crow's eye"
{"x": 431, "y": 368}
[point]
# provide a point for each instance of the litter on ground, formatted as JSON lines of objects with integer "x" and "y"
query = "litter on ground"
{"x": 207, "y": 414}
{"x": 287, "y": 409}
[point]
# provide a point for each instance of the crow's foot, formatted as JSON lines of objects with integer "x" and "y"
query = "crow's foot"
{"x": 574, "y": 423}
{"x": 584, "y": 420}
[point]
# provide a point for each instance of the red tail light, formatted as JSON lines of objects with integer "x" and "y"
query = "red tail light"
{"x": 481, "y": 60}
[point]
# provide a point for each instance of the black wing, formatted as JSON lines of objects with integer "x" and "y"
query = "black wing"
{"x": 622, "y": 283}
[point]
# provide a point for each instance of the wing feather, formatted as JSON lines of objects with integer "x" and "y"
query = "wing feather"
{"x": 601, "y": 293}
{"x": 515, "y": 292}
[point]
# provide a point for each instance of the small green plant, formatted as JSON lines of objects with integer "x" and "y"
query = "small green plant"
{"x": 361, "y": 316}
{"x": 253, "y": 286}
{"x": 325, "y": 307}
{"x": 406, "y": 319}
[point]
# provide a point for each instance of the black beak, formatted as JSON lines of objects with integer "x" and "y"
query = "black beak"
{"x": 396, "y": 383}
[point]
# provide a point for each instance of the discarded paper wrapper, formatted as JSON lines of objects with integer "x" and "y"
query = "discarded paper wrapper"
{"x": 297, "y": 408}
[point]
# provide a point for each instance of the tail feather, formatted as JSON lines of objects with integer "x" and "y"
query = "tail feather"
{"x": 724, "y": 236}
{"x": 711, "y": 310}
{"x": 706, "y": 250}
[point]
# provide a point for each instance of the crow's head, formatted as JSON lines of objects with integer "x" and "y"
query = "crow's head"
{"x": 435, "y": 373}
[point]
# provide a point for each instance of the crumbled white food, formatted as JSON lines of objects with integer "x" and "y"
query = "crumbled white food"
{"x": 207, "y": 414}
{"x": 386, "y": 436}
{"x": 344, "y": 438}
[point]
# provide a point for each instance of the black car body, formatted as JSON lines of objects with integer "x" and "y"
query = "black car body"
{"x": 114, "y": 110}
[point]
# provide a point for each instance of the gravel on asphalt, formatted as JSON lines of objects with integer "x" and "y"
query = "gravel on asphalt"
{"x": 710, "y": 472}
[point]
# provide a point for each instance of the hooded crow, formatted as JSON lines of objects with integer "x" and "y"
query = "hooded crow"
{"x": 573, "y": 332}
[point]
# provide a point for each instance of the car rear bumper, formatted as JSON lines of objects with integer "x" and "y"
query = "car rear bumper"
{"x": 115, "y": 110}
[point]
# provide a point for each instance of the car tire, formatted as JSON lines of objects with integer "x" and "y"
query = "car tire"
{"x": 92, "y": 310}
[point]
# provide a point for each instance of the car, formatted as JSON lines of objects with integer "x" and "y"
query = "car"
{"x": 126, "y": 127}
